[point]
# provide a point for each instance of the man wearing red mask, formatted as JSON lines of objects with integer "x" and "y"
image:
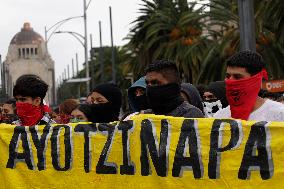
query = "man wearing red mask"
{"x": 29, "y": 92}
{"x": 245, "y": 71}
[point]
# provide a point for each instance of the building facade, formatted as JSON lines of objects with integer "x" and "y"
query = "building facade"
{"x": 28, "y": 54}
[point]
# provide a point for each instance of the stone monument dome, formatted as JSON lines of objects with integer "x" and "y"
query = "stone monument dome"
{"x": 27, "y": 36}
{"x": 28, "y": 54}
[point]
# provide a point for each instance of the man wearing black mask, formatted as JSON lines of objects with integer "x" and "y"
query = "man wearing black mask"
{"x": 107, "y": 100}
{"x": 137, "y": 96}
{"x": 163, "y": 91}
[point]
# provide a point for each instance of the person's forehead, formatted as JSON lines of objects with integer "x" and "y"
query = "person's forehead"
{"x": 139, "y": 89}
{"x": 7, "y": 105}
{"x": 236, "y": 70}
{"x": 96, "y": 95}
{"x": 154, "y": 75}
{"x": 207, "y": 93}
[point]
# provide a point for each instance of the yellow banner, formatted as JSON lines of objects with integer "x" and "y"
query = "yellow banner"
{"x": 148, "y": 152}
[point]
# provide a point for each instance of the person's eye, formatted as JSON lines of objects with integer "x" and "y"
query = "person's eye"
{"x": 228, "y": 76}
{"x": 238, "y": 77}
{"x": 155, "y": 83}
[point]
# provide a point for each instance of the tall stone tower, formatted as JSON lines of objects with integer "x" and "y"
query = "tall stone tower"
{"x": 27, "y": 54}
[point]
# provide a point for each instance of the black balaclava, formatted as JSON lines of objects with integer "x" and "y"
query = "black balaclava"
{"x": 107, "y": 112}
{"x": 137, "y": 103}
{"x": 165, "y": 98}
{"x": 141, "y": 102}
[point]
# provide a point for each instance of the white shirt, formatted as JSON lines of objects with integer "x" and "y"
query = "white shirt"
{"x": 269, "y": 111}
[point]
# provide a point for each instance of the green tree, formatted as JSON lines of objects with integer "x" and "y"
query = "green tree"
{"x": 169, "y": 30}
{"x": 223, "y": 28}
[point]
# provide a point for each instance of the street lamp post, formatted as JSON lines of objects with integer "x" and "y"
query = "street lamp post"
{"x": 81, "y": 40}
{"x": 85, "y": 38}
{"x": 86, "y": 45}
{"x": 247, "y": 25}
{"x": 54, "y": 28}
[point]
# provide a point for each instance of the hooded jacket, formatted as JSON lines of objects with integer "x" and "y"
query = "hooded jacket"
{"x": 193, "y": 95}
{"x": 133, "y": 106}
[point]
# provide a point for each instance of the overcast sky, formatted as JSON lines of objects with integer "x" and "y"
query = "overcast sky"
{"x": 63, "y": 47}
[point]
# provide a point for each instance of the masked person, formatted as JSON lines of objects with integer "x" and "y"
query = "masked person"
{"x": 82, "y": 113}
{"x": 29, "y": 92}
{"x": 9, "y": 111}
{"x": 65, "y": 110}
{"x": 107, "y": 100}
{"x": 137, "y": 96}
{"x": 214, "y": 98}
{"x": 245, "y": 71}
{"x": 164, "y": 91}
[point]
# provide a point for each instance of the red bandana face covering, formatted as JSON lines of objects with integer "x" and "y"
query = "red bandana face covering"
{"x": 29, "y": 114}
{"x": 242, "y": 94}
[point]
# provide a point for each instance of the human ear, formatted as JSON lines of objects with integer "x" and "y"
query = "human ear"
{"x": 37, "y": 101}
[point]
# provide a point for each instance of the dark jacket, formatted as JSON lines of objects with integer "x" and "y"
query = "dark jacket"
{"x": 184, "y": 110}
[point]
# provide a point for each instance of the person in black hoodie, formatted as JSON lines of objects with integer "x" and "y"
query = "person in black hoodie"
{"x": 190, "y": 94}
{"x": 107, "y": 100}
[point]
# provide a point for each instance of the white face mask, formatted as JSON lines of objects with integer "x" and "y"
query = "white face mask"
{"x": 210, "y": 108}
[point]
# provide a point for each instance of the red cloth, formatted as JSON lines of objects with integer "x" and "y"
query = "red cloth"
{"x": 29, "y": 114}
{"x": 242, "y": 94}
{"x": 63, "y": 118}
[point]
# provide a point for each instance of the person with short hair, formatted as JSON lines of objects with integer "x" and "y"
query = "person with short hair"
{"x": 29, "y": 92}
{"x": 163, "y": 91}
{"x": 245, "y": 71}
{"x": 9, "y": 111}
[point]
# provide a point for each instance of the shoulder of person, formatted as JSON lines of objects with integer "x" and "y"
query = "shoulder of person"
{"x": 274, "y": 105}
{"x": 191, "y": 111}
{"x": 274, "y": 110}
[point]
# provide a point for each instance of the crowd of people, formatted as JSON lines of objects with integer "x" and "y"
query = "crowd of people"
{"x": 160, "y": 92}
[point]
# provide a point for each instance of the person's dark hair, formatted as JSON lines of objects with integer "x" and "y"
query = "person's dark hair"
{"x": 201, "y": 89}
{"x": 68, "y": 106}
{"x": 30, "y": 85}
{"x": 11, "y": 101}
{"x": 87, "y": 110}
{"x": 218, "y": 88}
{"x": 251, "y": 61}
{"x": 167, "y": 68}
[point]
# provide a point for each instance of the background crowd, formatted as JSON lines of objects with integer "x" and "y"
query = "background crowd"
{"x": 161, "y": 91}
